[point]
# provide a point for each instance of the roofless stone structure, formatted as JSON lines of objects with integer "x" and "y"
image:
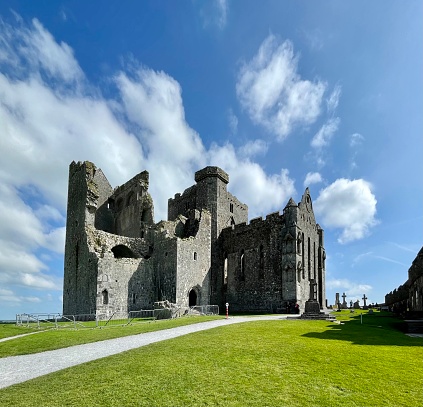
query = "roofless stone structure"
{"x": 117, "y": 259}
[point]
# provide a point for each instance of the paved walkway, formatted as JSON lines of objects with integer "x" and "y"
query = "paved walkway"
{"x": 18, "y": 369}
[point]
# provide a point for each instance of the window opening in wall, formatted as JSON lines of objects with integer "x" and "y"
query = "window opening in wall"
{"x": 110, "y": 204}
{"x": 225, "y": 269}
{"x": 121, "y": 251}
{"x": 105, "y": 296}
{"x": 134, "y": 298}
{"x": 232, "y": 221}
{"x": 309, "y": 258}
{"x": 195, "y": 255}
{"x": 242, "y": 265}
{"x": 299, "y": 243}
{"x": 231, "y": 207}
{"x": 192, "y": 298}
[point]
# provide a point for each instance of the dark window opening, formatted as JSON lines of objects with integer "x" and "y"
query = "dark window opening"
{"x": 192, "y": 298}
{"x": 134, "y": 298}
{"x": 231, "y": 207}
{"x": 195, "y": 255}
{"x": 242, "y": 265}
{"x": 121, "y": 251}
{"x": 225, "y": 270}
{"x": 105, "y": 296}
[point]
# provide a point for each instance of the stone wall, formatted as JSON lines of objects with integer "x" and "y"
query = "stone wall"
{"x": 409, "y": 296}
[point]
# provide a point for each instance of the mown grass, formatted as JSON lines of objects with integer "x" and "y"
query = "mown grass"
{"x": 61, "y": 338}
{"x": 264, "y": 363}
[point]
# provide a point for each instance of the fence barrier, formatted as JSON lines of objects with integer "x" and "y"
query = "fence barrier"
{"x": 60, "y": 321}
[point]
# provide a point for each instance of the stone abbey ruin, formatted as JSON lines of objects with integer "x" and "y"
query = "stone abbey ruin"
{"x": 117, "y": 259}
{"x": 409, "y": 296}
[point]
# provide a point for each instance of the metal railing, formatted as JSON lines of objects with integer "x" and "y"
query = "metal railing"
{"x": 60, "y": 321}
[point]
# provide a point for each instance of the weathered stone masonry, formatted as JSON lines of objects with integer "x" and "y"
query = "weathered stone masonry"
{"x": 117, "y": 259}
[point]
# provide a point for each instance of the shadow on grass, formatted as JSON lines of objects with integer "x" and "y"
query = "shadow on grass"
{"x": 373, "y": 330}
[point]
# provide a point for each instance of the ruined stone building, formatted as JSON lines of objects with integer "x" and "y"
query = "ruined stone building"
{"x": 409, "y": 296}
{"x": 117, "y": 259}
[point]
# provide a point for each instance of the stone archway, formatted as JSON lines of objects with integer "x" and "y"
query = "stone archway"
{"x": 192, "y": 298}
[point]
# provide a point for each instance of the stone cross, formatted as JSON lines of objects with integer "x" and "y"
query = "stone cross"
{"x": 364, "y": 299}
{"x": 343, "y": 297}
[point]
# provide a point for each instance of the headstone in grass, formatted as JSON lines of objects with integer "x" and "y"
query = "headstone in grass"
{"x": 357, "y": 305}
{"x": 364, "y": 300}
{"x": 344, "y": 303}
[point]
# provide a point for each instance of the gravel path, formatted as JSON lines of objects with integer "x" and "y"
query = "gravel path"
{"x": 18, "y": 369}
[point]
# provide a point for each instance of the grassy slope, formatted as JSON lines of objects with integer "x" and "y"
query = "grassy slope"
{"x": 293, "y": 363}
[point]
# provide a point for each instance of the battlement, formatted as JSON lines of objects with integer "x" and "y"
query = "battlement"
{"x": 211, "y": 172}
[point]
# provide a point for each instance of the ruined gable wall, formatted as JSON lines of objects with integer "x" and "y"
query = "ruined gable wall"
{"x": 103, "y": 215}
{"x": 133, "y": 207}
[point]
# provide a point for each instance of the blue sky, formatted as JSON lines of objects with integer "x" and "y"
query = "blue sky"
{"x": 280, "y": 94}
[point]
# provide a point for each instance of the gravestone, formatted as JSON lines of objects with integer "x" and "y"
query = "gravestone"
{"x": 364, "y": 300}
{"x": 344, "y": 303}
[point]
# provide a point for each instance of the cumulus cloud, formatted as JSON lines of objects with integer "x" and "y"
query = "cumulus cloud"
{"x": 312, "y": 178}
{"x": 324, "y": 135}
{"x": 253, "y": 148}
{"x": 272, "y": 91}
{"x": 46, "y": 123}
{"x": 348, "y": 205}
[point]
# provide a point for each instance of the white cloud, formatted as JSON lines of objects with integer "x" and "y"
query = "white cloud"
{"x": 324, "y": 135}
{"x": 223, "y": 8}
{"x": 348, "y": 205}
{"x": 333, "y": 100}
{"x": 233, "y": 122}
{"x": 356, "y": 139}
{"x": 273, "y": 93}
{"x": 253, "y": 148}
{"x": 214, "y": 13}
{"x": 312, "y": 178}
{"x": 36, "y": 47}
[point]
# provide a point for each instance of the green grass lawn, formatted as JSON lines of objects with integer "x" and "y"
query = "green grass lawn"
{"x": 61, "y": 338}
{"x": 263, "y": 363}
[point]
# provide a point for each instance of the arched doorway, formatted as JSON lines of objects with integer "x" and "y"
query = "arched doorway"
{"x": 192, "y": 298}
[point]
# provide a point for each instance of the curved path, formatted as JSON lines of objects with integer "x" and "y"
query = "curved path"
{"x": 18, "y": 369}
